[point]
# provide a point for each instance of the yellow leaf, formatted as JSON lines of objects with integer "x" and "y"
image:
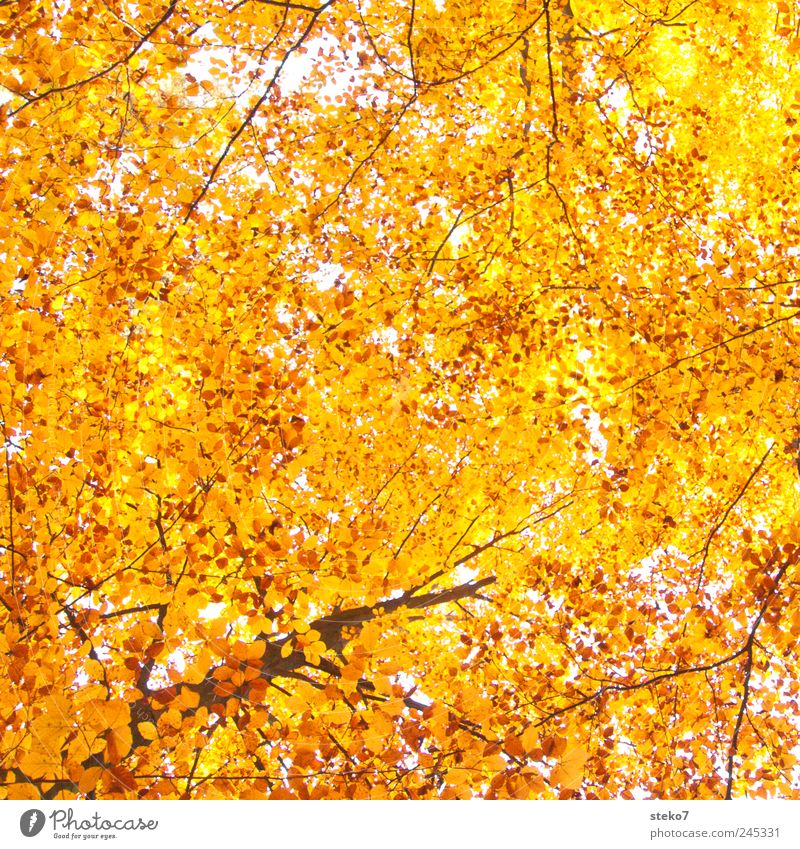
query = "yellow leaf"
{"x": 256, "y": 649}
{"x": 24, "y": 791}
{"x": 41, "y": 762}
{"x": 102, "y": 714}
{"x": 569, "y": 771}
{"x": 352, "y": 672}
{"x": 339, "y": 715}
{"x": 297, "y": 704}
{"x": 394, "y": 707}
{"x": 118, "y": 743}
{"x": 57, "y": 718}
{"x": 148, "y": 730}
{"x": 495, "y": 763}
{"x": 530, "y": 739}
{"x": 189, "y": 698}
{"x": 89, "y": 778}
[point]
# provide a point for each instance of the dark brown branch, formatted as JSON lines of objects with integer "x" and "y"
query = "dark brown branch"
{"x": 331, "y": 628}
{"x": 679, "y": 360}
{"x": 302, "y": 7}
{"x": 639, "y": 685}
{"x": 395, "y": 473}
{"x": 85, "y": 638}
{"x": 518, "y": 37}
{"x": 55, "y": 786}
{"x": 192, "y": 771}
{"x": 748, "y": 651}
{"x": 416, "y": 523}
{"x": 548, "y": 33}
{"x": 10, "y": 493}
{"x": 410, "y": 46}
{"x": 251, "y": 115}
{"x": 745, "y": 651}
{"x": 96, "y": 76}
{"x": 435, "y": 257}
{"x": 724, "y": 518}
{"x": 479, "y": 549}
{"x": 748, "y": 669}
{"x": 129, "y": 610}
{"x": 368, "y": 158}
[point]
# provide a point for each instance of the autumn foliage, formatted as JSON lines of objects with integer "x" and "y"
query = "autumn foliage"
{"x": 399, "y": 399}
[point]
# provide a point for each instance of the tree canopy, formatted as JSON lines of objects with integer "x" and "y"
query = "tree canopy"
{"x": 399, "y": 399}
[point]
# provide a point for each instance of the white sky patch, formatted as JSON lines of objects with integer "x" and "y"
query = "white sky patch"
{"x": 295, "y": 70}
{"x": 408, "y": 683}
{"x": 463, "y": 574}
{"x": 387, "y": 338}
{"x": 213, "y": 610}
{"x": 177, "y": 660}
{"x": 326, "y": 275}
{"x": 16, "y": 442}
{"x": 301, "y": 482}
{"x": 284, "y": 313}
